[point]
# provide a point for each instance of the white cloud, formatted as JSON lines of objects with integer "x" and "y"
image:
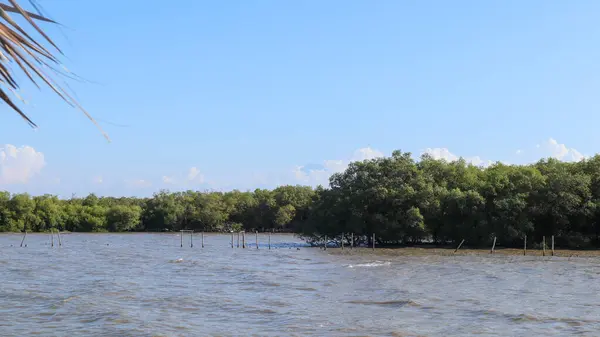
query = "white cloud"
{"x": 320, "y": 175}
{"x": 366, "y": 153}
{"x": 19, "y": 165}
{"x": 138, "y": 183}
{"x": 444, "y": 153}
{"x": 559, "y": 151}
{"x": 194, "y": 175}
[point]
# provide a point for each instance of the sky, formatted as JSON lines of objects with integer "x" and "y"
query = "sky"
{"x": 225, "y": 95}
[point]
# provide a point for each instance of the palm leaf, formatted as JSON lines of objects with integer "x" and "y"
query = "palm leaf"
{"x": 30, "y": 56}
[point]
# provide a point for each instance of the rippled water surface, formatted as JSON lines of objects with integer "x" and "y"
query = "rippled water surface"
{"x": 147, "y": 285}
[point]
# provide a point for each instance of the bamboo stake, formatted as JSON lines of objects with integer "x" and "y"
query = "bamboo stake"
{"x": 342, "y": 241}
{"x": 52, "y": 238}
{"x": 325, "y": 243}
{"x": 351, "y": 240}
{"x": 243, "y": 239}
{"x": 460, "y": 244}
{"x": 552, "y": 245}
{"x": 269, "y": 240}
{"x": 238, "y": 240}
{"x": 493, "y": 246}
{"x": 192, "y": 239}
{"x": 181, "y": 236}
{"x": 202, "y": 238}
{"x": 373, "y": 241}
{"x": 59, "y": 238}
{"x": 525, "y": 245}
{"x": 543, "y": 246}
{"x": 256, "y": 239}
{"x": 24, "y": 236}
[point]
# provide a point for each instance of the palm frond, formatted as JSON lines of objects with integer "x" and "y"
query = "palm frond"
{"x": 30, "y": 56}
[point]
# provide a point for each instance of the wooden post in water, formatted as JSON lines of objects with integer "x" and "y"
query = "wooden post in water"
{"x": 460, "y": 244}
{"x": 192, "y": 239}
{"x": 552, "y": 245}
{"x": 256, "y": 239}
{"x": 52, "y": 238}
{"x": 269, "y": 240}
{"x": 543, "y": 246}
{"x": 59, "y": 238}
{"x": 342, "y": 240}
{"x": 525, "y": 245}
{"x": 373, "y": 241}
{"x": 24, "y": 236}
{"x": 181, "y": 236}
{"x": 351, "y": 240}
{"x": 202, "y": 239}
{"x": 238, "y": 240}
{"x": 325, "y": 243}
{"x": 493, "y": 246}
{"x": 243, "y": 239}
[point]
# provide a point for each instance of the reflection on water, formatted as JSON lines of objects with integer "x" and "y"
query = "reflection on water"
{"x": 146, "y": 285}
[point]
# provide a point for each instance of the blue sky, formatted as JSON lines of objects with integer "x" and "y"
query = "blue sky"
{"x": 245, "y": 94}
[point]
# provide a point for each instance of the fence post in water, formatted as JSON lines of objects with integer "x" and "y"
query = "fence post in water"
{"x": 460, "y": 244}
{"x": 493, "y": 246}
{"x": 373, "y": 241}
{"x": 191, "y": 239}
{"x": 525, "y": 245}
{"x": 231, "y": 239}
{"x": 552, "y": 245}
{"x": 238, "y": 240}
{"x": 181, "y": 236}
{"x": 59, "y": 238}
{"x": 52, "y": 238}
{"x": 269, "y": 240}
{"x": 325, "y": 243}
{"x": 243, "y": 239}
{"x": 342, "y": 240}
{"x": 202, "y": 239}
{"x": 351, "y": 240}
{"x": 24, "y": 236}
{"x": 256, "y": 239}
{"x": 543, "y": 246}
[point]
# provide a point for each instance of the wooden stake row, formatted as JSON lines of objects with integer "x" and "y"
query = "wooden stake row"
{"x": 493, "y": 250}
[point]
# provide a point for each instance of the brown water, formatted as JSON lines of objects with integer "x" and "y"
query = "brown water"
{"x": 147, "y": 285}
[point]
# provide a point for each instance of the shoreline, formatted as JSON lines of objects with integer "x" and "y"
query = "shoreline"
{"x": 440, "y": 251}
{"x": 127, "y": 233}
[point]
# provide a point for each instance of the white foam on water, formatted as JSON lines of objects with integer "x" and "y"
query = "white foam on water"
{"x": 370, "y": 264}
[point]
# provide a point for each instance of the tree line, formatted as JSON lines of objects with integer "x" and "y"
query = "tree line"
{"x": 403, "y": 201}
{"x": 400, "y": 200}
{"x": 280, "y": 209}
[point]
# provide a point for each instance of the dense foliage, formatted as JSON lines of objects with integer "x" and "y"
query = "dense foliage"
{"x": 280, "y": 209}
{"x": 400, "y": 200}
{"x": 405, "y": 202}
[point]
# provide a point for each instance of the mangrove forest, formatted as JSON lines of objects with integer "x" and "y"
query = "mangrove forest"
{"x": 402, "y": 201}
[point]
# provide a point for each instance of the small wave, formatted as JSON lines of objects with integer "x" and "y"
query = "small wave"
{"x": 396, "y": 303}
{"x": 523, "y": 318}
{"x": 68, "y": 299}
{"x": 370, "y": 264}
{"x": 260, "y": 311}
{"x": 176, "y": 261}
{"x": 306, "y": 289}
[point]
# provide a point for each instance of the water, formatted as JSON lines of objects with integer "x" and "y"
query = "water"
{"x": 146, "y": 285}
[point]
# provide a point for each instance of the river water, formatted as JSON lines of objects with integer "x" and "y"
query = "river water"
{"x": 147, "y": 285}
